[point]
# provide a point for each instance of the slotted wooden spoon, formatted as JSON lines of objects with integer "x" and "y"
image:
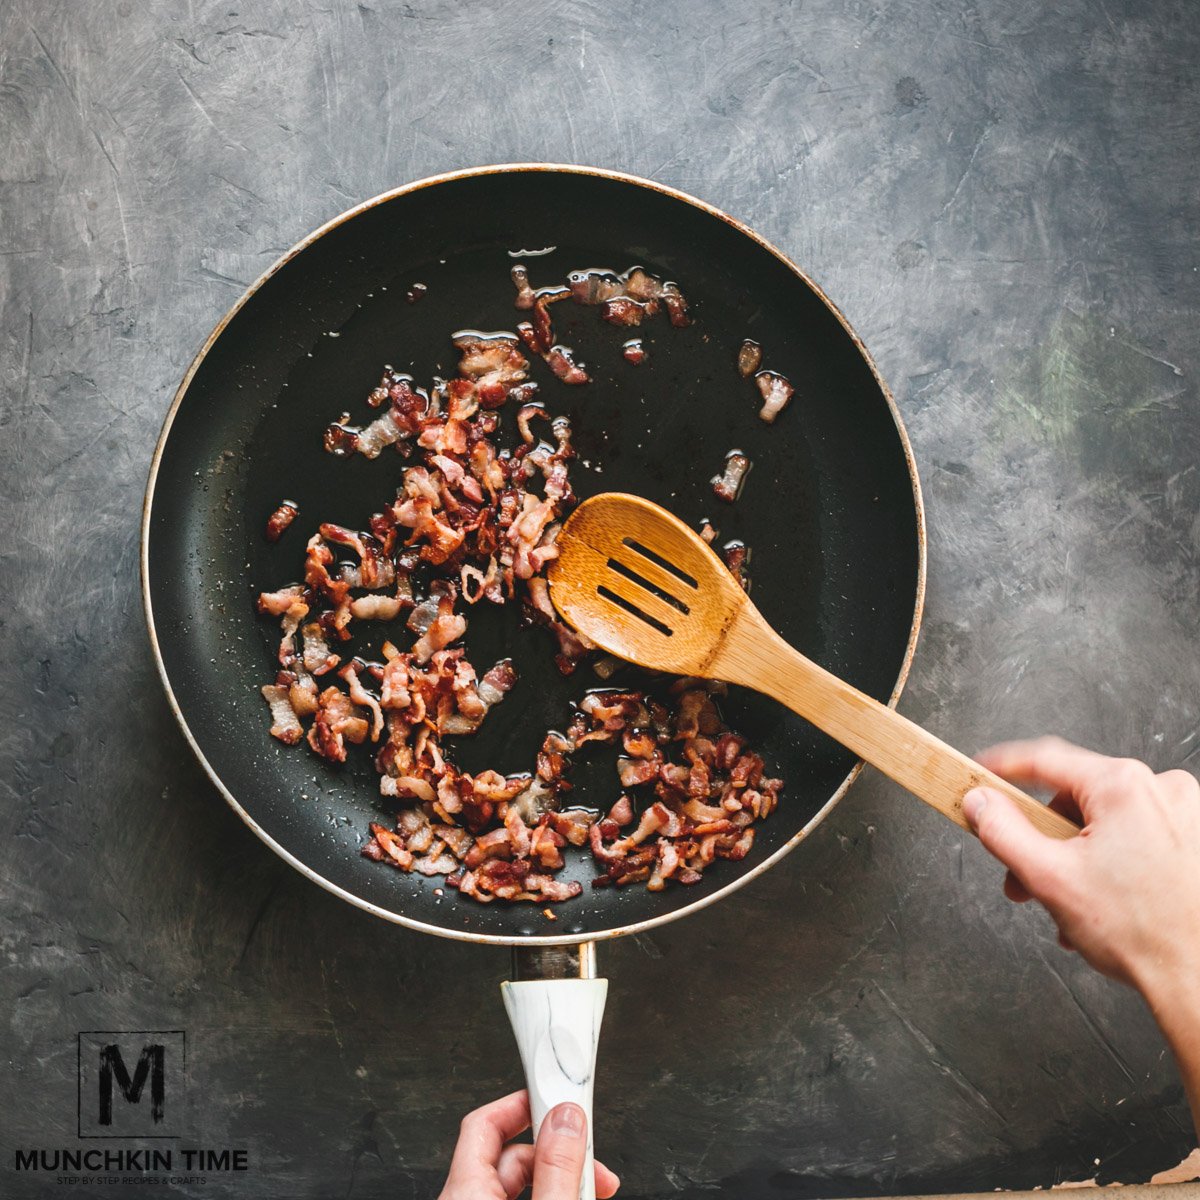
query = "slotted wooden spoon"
{"x": 643, "y": 586}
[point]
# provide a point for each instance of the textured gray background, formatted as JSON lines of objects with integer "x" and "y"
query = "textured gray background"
{"x": 1000, "y": 196}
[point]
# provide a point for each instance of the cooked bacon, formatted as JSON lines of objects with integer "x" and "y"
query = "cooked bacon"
{"x": 595, "y": 286}
{"x": 633, "y": 771}
{"x": 728, "y": 486}
{"x": 406, "y": 407}
{"x": 622, "y": 811}
{"x": 557, "y": 358}
{"x": 473, "y": 519}
{"x": 776, "y": 391}
{"x": 626, "y": 299}
{"x": 446, "y": 627}
{"x": 391, "y": 846}
{"x": 284, "y": 723}
{"x": 634, "y": 351}
{"x": 302, "y": 692}
{"x": 402, "y": 786}
{"x": 359, "y": 695}
{"x": 318, "y": 658}
{"x": 749, "y": 358}
{"x": 623, "y": 311}
{"x": 278, "y": 603}
{"x": 435, "y": 864}
{"x": 490, "y": 366}
{"x": 525, "y": 296}
{"x": 376, "y": 608}
{"x": 335, "y": 723}
{"x": 280, "y": 519}
{"x": 737, "y": 557}
{"x": 525, "y": 414}
{"x": 573, "y": 824}
{"x": 497, "y": 683}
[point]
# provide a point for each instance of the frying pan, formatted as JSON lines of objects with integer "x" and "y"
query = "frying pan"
{"x": 831, "y": 511}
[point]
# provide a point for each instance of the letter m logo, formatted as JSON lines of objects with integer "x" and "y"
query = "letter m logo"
{"x": 132, "y": 1083}
{"x": 150, "y": 1064}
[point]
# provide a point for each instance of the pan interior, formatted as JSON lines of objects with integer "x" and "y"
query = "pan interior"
{"x": 828, "y": 508}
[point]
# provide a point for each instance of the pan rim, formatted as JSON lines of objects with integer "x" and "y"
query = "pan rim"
{"x": 399, "y": 918}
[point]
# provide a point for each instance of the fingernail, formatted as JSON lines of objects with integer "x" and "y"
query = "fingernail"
{"x": 974, "y": 803}
{"x": 568, "y": 1118}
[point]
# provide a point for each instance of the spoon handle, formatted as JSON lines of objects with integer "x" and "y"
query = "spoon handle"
{"x": 754, "y": 655}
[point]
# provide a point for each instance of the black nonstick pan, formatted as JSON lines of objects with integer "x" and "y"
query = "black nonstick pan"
{"x": 831, "y": 508}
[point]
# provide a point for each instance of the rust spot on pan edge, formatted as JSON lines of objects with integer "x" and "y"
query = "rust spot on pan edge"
{"x": 433, "y": 181}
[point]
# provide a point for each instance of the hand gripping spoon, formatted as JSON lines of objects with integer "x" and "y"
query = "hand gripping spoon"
{"x": 644, "y": 587}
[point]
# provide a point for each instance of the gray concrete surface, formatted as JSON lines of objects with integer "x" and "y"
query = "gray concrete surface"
{"x": 1000, "y": 195}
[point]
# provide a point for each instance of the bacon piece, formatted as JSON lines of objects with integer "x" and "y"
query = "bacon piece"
{"x": 498, "y": 682}
{"x": 543, "y": 887}
{"x": 393, "y": 848}
{"x": 278, "y": 603}
{"x": 302, "y": 692}
{"x": 776, "y": 391}
{"x": 281, "y": 518}
{"x": 359, "y": 695}
{"x": 376, "y": 608}
{"x": 435, "y": 864}
{"x": 446, "y": 627}
{"x": 749, "y": 358}
{"x": 622, "y": 812}
{"x": 594, "y": 287}
{"x": 525, "y": 294}
{"x": 284, "y": 724}
{"x": 318, "y": 658}
{"x": 728, "y": 486}
{"x": 633, "y": 771}
{"x": 623, "y": 311}
{"x": 335, "y": 722}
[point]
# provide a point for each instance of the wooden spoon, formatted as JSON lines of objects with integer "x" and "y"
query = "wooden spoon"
{"x": 643, "y": 586}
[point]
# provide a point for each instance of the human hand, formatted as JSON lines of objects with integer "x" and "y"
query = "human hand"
{"x": 485, "y": 1168}
{"x": 1125, "y": 893}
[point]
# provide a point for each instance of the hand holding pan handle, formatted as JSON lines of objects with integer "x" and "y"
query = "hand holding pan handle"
{"x": 555, "y": 1005}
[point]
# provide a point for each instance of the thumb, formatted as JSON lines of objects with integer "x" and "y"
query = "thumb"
{"x": 559, "y": 1153}
{"x": 1005, "y": 831}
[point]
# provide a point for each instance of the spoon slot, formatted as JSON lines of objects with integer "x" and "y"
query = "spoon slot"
{"x": 659, "y": 561}
{"x": 633, "y": 577}
{"x": 631, "y": 608}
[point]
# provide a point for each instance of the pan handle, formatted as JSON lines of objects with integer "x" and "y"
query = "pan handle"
{"x": 555, "y": 1004}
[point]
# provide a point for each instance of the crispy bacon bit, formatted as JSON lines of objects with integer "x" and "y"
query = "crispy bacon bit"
{"x": 377, "y": 608}
{"x": 728, "y": 486}
{"x": 776, "y": 391}
{"x": 634, "y": 351}
{"x": 624, "y": 300}
{"x": 416, "y": 292}
{"x": 335, "y": 723}
{"x": 622, "y": 811}
{"x": 623, "y": 311}
{"x": 318, "y": 658}
{"x": 360, "y": 695}
{"x": 708, "y": 531}
{"x": 284, "y": 723}
{"x": 280, "y": 519}
{"x": 737, "y": 558}
{"x": 749, "y": 358}
{"x": 474, "y": 519}
{"x": 520, "y": 278}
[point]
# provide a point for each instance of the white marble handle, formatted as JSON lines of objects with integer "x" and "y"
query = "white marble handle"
{"x": 557, "y": 1026}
